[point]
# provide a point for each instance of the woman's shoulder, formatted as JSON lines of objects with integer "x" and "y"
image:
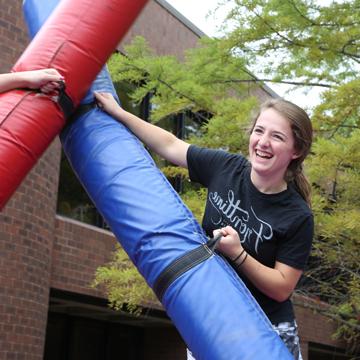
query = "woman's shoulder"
{"x": 216, "y": 155}
{"x": 298, "y": 202}
{"x": 298, "y": 213}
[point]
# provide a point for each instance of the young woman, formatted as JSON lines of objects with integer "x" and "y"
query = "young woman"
{"x": 260, "y": 206}
{"x": 47, "y": 80}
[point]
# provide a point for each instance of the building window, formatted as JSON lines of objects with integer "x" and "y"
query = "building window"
{"x": 324, "y": 352}
{"x": 75, "y": 338}
{"x": 73, "y": 200}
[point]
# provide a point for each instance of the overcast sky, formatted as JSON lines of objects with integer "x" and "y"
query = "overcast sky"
{"x": 196, "y": 12}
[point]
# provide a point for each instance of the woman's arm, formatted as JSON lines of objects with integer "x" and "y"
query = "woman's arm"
{"x": 47, "y": 80}
{"x": 157, "y": 139}
{"x": 277, "y": 283}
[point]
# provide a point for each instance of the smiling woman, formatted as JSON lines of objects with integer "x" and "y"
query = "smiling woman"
{"x": 259, "y": 207}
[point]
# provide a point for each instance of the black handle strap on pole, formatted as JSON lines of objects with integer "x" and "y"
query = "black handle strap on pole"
{"x": 183, "y": 264}
{"x": 81, "y": 110}
{"x": 65, "y": 102}
{"x": 67, "y": 106}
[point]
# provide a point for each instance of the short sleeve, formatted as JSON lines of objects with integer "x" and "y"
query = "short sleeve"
{"x": 295, "y": 249}
{"x": 204, "y": 163}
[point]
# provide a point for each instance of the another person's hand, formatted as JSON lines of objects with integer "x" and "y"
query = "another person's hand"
{"x": 47, "y": 80}
{"x": 229, "y": 244}
{"x": 107, "y": 102}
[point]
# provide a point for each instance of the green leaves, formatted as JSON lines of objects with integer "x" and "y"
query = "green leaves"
{"x": 304, "y": 40}
{"x": 123, "y": 284}
{"x": 339, "y": 111}
{"x": 208, "y": 75}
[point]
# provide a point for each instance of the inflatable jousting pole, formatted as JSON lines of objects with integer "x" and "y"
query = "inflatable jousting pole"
{"x": 77, "y": 39}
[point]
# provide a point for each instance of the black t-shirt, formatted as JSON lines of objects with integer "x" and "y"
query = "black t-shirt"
{"x": 272, "y": 227}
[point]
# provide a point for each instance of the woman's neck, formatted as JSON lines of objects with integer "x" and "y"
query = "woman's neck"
{"x": 268, "y": 185}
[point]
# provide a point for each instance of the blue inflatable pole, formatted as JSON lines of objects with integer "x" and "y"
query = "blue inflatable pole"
{"x": 207, "y": 302}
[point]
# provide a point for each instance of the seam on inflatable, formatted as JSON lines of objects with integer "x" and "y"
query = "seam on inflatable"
{"x": 13, "y": 110}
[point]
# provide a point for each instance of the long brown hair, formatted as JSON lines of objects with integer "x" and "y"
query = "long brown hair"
{"x": 301, "y": 127}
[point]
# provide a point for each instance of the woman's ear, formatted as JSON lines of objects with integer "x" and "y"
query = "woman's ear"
{"x": 296, "y": 155}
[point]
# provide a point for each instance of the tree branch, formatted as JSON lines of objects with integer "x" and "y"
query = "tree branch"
{"x": 314, "y": 23}
{"x": 256, "y": 80}
{"x": 292, "y": 42}
{"x": 176, "y": 92}
{"x": 302, "y": 15}
{"x": 342, "y": 124}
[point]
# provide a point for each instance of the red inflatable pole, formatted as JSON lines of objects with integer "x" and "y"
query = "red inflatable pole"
{"x": 76, "y": 40}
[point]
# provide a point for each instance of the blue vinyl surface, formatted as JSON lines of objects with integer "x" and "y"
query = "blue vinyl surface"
{"x": 210, "y": 306}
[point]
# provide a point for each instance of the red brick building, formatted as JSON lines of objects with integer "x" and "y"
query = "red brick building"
{"x": 47, "y": 261}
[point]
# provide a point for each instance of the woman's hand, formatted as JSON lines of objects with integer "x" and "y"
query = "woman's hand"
{"x": 162, "y": 142}
{"x": 277, "y": 283}
{"x": 107, "y": 102}
{"x": 229, "y": 245}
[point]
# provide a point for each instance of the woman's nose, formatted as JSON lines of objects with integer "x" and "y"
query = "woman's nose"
{"x": 263, "y": 140}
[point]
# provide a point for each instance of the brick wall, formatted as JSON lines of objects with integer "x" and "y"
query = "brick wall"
{"x": 162, "y": 30}
{"x": 79, "y": 249}
{"x": 26, "y": 228}
{"x": 314, "y": 327}
{"x": 13, "y": 37}
{"x": 26, "y": 239}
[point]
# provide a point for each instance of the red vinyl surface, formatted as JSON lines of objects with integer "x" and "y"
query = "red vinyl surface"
{"x": 76, "y": 40}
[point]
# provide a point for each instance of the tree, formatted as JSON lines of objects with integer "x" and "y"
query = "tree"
{"x": 297, "y": 42}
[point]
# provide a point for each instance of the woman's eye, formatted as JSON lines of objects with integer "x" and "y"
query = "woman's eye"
{"x": 278, "y": 137}
{"x": 257, "y": 131}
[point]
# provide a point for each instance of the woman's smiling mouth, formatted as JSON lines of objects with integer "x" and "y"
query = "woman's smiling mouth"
{"x": 263, "y": 154}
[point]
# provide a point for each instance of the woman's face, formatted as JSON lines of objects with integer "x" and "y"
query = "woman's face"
{"x": 271, "y": 145}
